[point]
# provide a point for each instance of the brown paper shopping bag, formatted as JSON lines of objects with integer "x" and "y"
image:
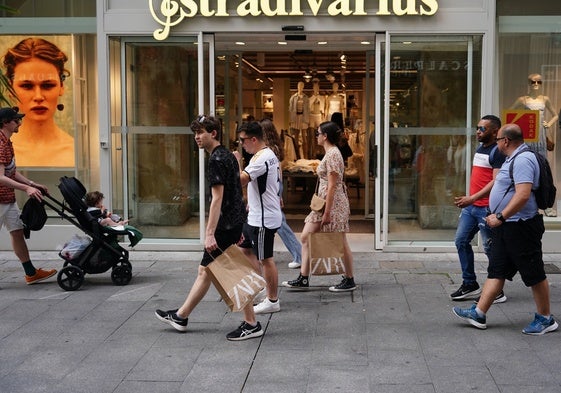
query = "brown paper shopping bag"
{"x": 235, "y": 278}
{"x": 326, "y": 253}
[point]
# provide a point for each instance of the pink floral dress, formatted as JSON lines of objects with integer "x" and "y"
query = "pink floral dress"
{"x": 340, "y": 210}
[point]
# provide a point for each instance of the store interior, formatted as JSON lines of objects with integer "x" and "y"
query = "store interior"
{"x": 299, "y": 80}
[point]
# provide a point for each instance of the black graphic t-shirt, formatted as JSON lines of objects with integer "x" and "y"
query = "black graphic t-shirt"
{"x": 223, "y": 169}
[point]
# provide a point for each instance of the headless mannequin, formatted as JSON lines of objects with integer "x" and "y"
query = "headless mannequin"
{"x": 535, "y": 100}
{"x": 335, "y": 102}
{"x": 317, "y": 107}
{"x": 299, "y": 109}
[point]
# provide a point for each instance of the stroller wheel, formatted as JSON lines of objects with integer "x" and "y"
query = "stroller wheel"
{"x": 70, "y": 278}
{"x": 121, "y": 275}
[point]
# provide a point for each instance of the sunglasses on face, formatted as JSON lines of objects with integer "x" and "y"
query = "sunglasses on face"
{"x": 536, "y": 82}
{"x": 480, "y": 128}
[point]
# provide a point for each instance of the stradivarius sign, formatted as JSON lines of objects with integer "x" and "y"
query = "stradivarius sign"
{"x": 169, "y": 13}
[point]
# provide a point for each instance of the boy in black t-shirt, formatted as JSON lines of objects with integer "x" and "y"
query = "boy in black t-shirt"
{"x": 224, "y": 228}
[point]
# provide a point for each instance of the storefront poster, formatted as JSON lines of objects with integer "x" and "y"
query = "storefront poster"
{"x": 39, "y": 68}
{"x": 527, "y": 120}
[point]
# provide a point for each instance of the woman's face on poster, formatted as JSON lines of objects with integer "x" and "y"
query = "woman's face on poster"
{"x": 37, "y": 86}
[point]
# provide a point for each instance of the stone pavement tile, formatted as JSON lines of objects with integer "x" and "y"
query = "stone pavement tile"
{"x": 337, "y": 378}
{"x": 147, "y": 387}
{"x": 164, "y": 364}
{"x": 529, "y": 388}
{"x": 391, "y": 336}
{"x": 348, "y": 350}
{"x": 398, "y": 367}
{"x": 473, "y": 378}
{"x": 279, "y": 371}
{"x": 222, "y": 367}
{"x": 401, "y": 388}
{"x": 15, "y": 350}
{"x": 510, "y": 367}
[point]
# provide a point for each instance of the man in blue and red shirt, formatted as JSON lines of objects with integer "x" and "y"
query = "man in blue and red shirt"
{"x": 486, "y": 163}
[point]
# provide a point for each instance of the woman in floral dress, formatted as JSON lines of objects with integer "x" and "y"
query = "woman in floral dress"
{"x": 335, "y": 216}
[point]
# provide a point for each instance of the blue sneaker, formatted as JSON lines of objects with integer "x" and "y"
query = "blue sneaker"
{"x": 470, "y": 315}
{"x": 540, "y": 325}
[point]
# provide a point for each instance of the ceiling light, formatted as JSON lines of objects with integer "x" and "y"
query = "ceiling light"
{"x": 407, "y": 42}
{"x": 365, "y": 42}
{"x": 322, "y": 42}
{"x": 343, "y": 57}
{"x": 240, "y": 43}
{"x": 282, "y": 43}
{"x": 307, "y": 76}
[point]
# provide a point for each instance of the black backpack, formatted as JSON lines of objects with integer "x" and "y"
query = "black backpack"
{"x": 33, "y": 216}
{"x": 546, "y": 191}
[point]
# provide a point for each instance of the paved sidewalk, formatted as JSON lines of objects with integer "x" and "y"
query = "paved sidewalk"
{"x": 395, "y": 333}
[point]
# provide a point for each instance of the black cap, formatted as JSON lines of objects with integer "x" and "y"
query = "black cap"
{"x": 9, "y": 114}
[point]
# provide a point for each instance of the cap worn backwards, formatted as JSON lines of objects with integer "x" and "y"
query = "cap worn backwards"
{"x": 9, "y": 114}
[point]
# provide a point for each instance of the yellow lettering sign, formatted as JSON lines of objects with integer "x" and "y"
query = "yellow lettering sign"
{"x": 170, "y": 13}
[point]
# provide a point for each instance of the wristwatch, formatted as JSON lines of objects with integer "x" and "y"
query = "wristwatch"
{"x": 500, "y": 217}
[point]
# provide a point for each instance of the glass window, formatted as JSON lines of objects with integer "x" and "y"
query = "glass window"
{"x": 155, "y": 160}
{"x": 530, "y": 79}
{"x": 433, "y": 101}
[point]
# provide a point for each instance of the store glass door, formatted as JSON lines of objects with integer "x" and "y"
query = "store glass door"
{"x": 432, "y": 90}
{"x": 159, "y": 88}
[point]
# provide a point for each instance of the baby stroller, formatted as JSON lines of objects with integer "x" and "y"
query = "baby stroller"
{"x": 104, "y": 251}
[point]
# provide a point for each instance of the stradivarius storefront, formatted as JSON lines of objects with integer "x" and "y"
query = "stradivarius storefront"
{"x": 410, "y": 79}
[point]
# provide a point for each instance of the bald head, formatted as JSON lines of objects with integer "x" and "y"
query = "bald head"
{"x": 509, "y": 138}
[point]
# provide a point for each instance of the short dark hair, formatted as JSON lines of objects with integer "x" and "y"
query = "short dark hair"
{"x": 252, "y": 129}
{"x": 209, "y": 124}
{"x": 332, "y": 131}
{"x": 92, "y": 198}
{"x": 494, "y": 120}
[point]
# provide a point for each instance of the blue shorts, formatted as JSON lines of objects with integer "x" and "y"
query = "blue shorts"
{"x": 517, "y": 247}
{"x": 260, "y": 239}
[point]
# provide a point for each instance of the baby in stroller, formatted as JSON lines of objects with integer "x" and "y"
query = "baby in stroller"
{"x": 103, "y": 252}
{"x": 94, "y": 201}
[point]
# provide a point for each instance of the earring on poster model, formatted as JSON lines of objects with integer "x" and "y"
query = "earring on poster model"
{"x": 60, "y": 107}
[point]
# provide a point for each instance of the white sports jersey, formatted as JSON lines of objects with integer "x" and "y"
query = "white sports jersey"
{"x": 263, "y": 190}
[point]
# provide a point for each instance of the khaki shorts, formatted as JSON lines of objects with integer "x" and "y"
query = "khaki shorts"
{"x": 9, "y": 217}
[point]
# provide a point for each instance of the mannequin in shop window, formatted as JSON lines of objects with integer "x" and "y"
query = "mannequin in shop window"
{"x": 317, "y": 115}
{"x": 36, "y": 70}
{"x": 535, "y": 100}
{"x": 335, "y": 102}
{"x": 299, "y": 109}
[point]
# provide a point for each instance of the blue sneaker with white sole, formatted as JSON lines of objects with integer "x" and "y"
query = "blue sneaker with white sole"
{"x": 470, "y": 316}
{"x": 540, "y": 325}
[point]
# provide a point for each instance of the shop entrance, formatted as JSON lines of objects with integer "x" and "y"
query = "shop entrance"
{"x": 300, "y": 80}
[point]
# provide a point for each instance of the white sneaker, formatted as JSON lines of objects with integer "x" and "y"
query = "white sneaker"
{"x": 294, "y": 265}
{"x": 266, "y": 306}
{"x": 260, "y": 296}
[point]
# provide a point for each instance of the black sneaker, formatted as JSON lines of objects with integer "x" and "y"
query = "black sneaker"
{"x": 245, "y": 332}
{"x": 300, "y": 283}
{"x": 501, "y": 298}
{"x": 173, "y": 319}
{"x": 466, "y": 291}
{"x": 346, "y": 284}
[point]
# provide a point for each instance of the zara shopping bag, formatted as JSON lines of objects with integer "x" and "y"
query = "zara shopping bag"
{"x": 235, "y": 278}
{"x": 326, "y": 253}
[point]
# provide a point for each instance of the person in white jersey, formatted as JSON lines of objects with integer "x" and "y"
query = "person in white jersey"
{"x": 262, "y": 177}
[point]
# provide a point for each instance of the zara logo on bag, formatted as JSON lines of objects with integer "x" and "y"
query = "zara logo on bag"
{"x": 327, "y": 265}
{"x": 246, "y": 288}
